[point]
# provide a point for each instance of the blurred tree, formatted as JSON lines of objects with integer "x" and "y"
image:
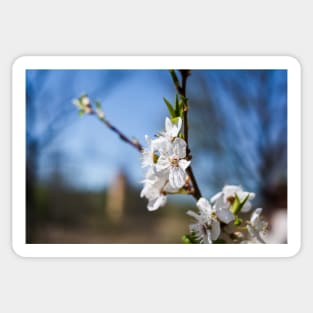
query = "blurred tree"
{"x": 239, "y": 131}
{"x": 49, "y": 94}
{"x": 44, "y": 122}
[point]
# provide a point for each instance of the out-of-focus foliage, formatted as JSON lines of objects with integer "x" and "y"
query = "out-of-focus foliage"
{"x": 239, "y": 131}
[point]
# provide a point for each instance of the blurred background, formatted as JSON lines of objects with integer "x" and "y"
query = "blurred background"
{"x": 83, "y": 182}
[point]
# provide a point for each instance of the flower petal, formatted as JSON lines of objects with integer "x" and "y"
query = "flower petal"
{"x": 217, "y": 196}
{"x": 193, "y": 214}
{"x": 179, "y": 148}
{"x": 224, "y": 215}
{"x": 162, "y": 164}
{"x": 246, "y": 207}
{"x": 208, "y": 238}
{"x": 177, "y": 177}
{"x": 204, "y": 205}
{"x": 155, "y": 203}
{"x": 183, "y": 164}
{"x": 168, "y": 188}
{"x": 215, "y": 229}
{"x": 168, "y": 125}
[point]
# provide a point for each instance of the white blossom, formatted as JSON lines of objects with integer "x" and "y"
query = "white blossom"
{"x": 152, "y": 190}
{"x": 171, "y": 129}
{"x": 148, "y": 154}
{"x": 165, "y": 161}
{"x": 207, "y": 228}
{"x": 155, "y": 189}
{"x": 172, "y": 162}
{"x": 257, "y": 226}
{"x": 226, "y": 196}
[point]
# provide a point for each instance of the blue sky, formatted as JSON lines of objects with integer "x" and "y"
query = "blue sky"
{"x": 90, "y": 154}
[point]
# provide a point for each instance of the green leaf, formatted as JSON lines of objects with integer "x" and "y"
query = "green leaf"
{"x": 81, "y": 113}
{"x": 237, "y": 221}
{"x": 174, "y": 77}
{"x": 177, "y": 107}
{"x": 169, "y": 107}
{"x": 190, "y": 239}
{"x": 181, "y": 107}
{"x": 175, "y": 120}
{"x": 237, "y": 205}
{"x": 186, "y": 239}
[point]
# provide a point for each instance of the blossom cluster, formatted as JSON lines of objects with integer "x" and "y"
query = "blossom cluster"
{"x": 165, "y": 161}
{"x": 225, "y": 218}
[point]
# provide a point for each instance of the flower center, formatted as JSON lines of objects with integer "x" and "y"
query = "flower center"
{"x": 230, "y": 199}
{"x": 174, "y": 161}
{"x": 155, "y": 158}
{"x": 213, "y": 215}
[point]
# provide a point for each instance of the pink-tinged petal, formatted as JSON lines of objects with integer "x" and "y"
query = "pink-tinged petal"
{"x": 177, "y": 177}
{"x": 179, "y": 148}
{"x": 183, "y": 164}
{"x": 224, "y": 215}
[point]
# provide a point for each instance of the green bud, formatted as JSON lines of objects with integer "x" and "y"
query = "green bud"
{"x": 175, "y": 120}
{"x": 169, "y": 107}
{"x": 237, "y": 221}
{"x": 186, "y": 239}
{"x": 237, "y": 204}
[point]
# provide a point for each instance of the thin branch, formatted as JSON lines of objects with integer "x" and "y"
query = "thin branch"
{"x": 133, "y": 143}
{"x": 185, "y": 74}
{"x": 181, "y": 90}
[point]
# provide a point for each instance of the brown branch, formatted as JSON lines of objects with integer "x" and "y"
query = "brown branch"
{"x": 181, "y": 90}
{"x": 133, "y": 143}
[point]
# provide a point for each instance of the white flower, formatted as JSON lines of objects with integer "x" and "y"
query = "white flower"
{"x": 155, "y": 190}
{"x": 227, "y": 195}
{"x": 164, "y": 158}
{"x": 152, "y": 190}
{"x": 172, "y": 163}
{"x": 171, "y": 129}
{"x": 223, "y": 214}
{"x": 150, "y": 153}
{"x": 222, "y": 209}
{"x": 147, "y": 154}
{"x": 257, "y": 225}
{"x": 207, "y": 229}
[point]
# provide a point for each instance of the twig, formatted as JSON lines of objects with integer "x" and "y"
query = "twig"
{"x": 185, "y": 74}
{"x": 181, "y": 90}
{"x": 122, "y": 136}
